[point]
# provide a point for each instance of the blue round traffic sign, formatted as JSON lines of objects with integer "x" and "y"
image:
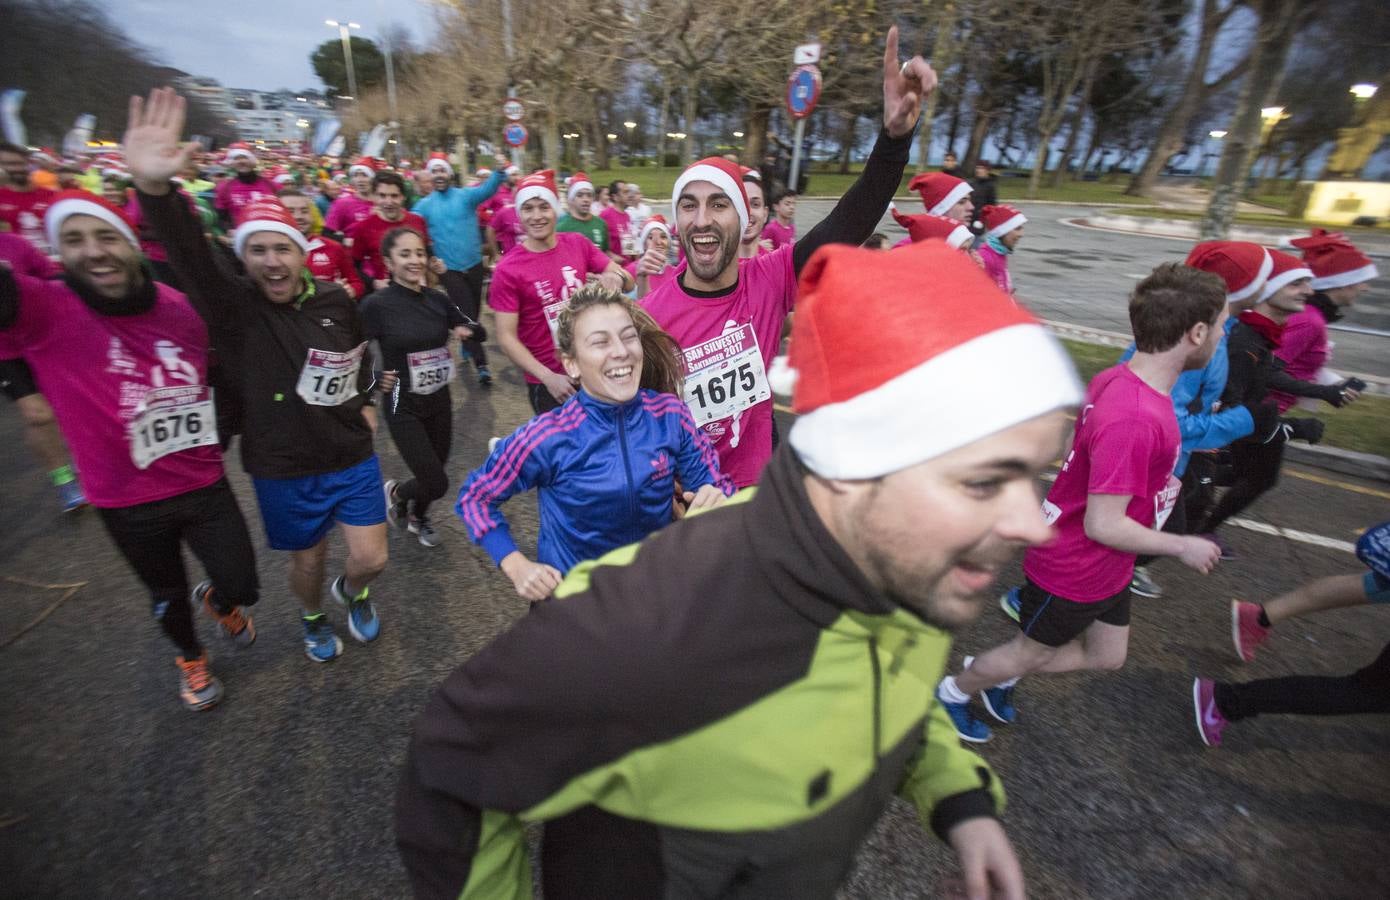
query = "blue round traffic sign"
{"x": 515, "y": 134}
{"x": 803, "y": 91}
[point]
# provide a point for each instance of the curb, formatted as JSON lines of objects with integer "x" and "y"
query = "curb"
{"x": 1334, "y": 459}
{"x": 1189, "y": 230}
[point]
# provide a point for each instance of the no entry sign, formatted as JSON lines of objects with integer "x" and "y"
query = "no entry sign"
{"x": 513, "y": 110}
{"x": 803, "y": 91}
{"x": 515, "y": 134}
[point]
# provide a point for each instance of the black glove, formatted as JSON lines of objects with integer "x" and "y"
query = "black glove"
{"x": 1332, "y": 393}
{"x": 1265, "y": 415}
{"x": 1301, "y": 429}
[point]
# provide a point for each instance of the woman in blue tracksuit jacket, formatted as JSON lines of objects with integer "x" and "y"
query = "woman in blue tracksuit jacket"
{"x": 606, "y": 462}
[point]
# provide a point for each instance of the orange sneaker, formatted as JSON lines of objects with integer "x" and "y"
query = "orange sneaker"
{"x": 236, "y": 625}
{"x": 200, "y": 689}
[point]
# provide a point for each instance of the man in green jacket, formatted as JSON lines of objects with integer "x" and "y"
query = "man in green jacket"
{"x": 725, "y": 709}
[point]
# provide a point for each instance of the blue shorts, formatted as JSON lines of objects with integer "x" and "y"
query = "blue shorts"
{"x": 298, "y": 512}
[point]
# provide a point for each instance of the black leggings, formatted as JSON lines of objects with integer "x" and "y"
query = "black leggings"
{"x": 541, "y": 399}
{"x": 209, "y": 521}
{"x": 1256, "y": 468}
{"x": 423, "y": 443}
{"x": 465, "y": 290}
{"x": 1364, "y": 691}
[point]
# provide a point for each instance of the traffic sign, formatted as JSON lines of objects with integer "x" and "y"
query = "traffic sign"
{"x": 803, "y": 91}
{"x": 515, "y": 134}
{"x": 806, "y": 55}
{"x": 513, "y": 109}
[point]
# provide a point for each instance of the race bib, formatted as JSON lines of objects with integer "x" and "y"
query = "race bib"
{"x": 430, "y": 370}
{"x": 552, "y": 317}
{"x": 171, "y": 419}
{"x": 1051, "y": 512}
{"x": 329, "y": 378}
{"x": 1165, "y": 500}
{"x": 725, "y": 375}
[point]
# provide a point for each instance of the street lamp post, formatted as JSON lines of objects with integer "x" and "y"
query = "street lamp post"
{"x": 347, "y": 52}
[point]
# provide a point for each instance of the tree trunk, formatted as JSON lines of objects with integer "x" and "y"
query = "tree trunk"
{"x": 1039, "y": 163}
{"x": 550, "y": 140}
{"x": 847, "y": 141}
{"x": 962, "y": 79}
{"x": 1078, "y": 121}
{"x": 1242, "y": 143}
{"x": 755, "y": 135}
{"x": 601, "y": 122}
{"x": 1175, "y": 120}
{"x": 978, "y": 131}
{"x": 690, "y": 111}
{"x": 662, "y": 123}
{"x": 941, "y": 58}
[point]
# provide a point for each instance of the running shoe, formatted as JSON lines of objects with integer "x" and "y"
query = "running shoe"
{"x": 1010, "y": 603}
{"x": 395, "y": 509}
{"x": 423, "y": 530}
{"x": 1144, "y": 585}
{"x": 1210, "y": 721}
{"x": 998, "y": 700}
{"x": 363, "y": 623}
{"x": 320, "y": 643}
{"x": 72, "y": 498}
{"x": 967, "y": 725}
{"x": 465, "y": 357}
{"x": 484, "y": 376}
{"x": 236, "y": 626}
{"x": 198, "y": 687}
{"x": 1227, "y": 552}
{"x": 1246, "y": 631}
{"x": 492, "y": 443}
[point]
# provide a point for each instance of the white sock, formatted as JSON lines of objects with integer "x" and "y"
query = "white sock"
{"x": 1010, "y": 683}
{"x": 949, "y": 693}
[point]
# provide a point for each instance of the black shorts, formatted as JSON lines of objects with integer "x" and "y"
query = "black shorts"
{"x": 1054, "y": 621}
{"x": 16, "y": 379}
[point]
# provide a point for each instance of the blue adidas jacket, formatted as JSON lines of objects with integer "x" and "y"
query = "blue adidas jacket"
{"x": 1198, "y": 390}
{"x": 605, "y": 476}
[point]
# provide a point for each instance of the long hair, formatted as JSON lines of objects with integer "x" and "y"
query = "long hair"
{"x": 661, "y": 361}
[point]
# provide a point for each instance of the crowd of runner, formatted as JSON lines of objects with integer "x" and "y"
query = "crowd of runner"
{"x": 158, "y": 303}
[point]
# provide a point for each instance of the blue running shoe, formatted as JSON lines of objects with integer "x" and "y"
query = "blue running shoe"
{"x": 484, "y": 376}
{"x": 967, "y": 725}
{"x": 71, "y": 496}
{"x": 465, "y": 357}
{"x": 363, "y": 623}
{"x": 1000, "y": 703}
{"x": 320, "y": 643}
{"x": 1010, "y": 603}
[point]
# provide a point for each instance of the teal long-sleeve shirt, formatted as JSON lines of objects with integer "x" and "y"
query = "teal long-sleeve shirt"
{"x": 452, "y": 217}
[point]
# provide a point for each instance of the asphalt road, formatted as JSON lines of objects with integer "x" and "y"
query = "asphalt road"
{"x": 111, "y": 789}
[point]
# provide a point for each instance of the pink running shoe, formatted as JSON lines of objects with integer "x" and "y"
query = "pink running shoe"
{"x": 1246, "y": 631}
{"x": 1210, "y": 721}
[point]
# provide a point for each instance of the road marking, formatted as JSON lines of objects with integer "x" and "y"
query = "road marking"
{"x": 1332, "y": 482}
{"x": 1133, "y": 275}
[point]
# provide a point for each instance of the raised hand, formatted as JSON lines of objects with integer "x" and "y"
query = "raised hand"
{"x": 904, "y": 87}
{"x": 153, "y": 150}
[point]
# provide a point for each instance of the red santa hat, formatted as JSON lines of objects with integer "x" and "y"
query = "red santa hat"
{"x": 939, "y": 191}
{"x": 655, "y": 222}
{"x": 1000, "y": 219}
{"x": 238, "y": 150}
{"x": 366, "y": 164}
{"x": 578, "y": 182}
{"x": 512, "y": 170}
{"x": 1243, "y": 266}
{"x": 721, "y": 173}
{"x": 537, "y": 185}
{"x": 266, "y": 215}
{"x": 933, "y": 228}
{"x": 873, "y": 401}
{"x": 1287, "y": 269}
{"x": 1335, "y": 261}
{"x": 439, "y": 161}
{"x": 82, "y": 203}
{"x": 751, "y": 174}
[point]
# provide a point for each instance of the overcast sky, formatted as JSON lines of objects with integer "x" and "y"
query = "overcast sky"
{"x": 255, "y": 45}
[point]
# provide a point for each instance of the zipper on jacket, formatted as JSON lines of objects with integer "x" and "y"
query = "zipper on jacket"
{"x": 627, "y": 468}
{"x": 878, "y": 686}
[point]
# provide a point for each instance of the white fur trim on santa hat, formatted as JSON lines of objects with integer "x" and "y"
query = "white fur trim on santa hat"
{"x": 955, "y": 398}
{"x": 650, "y": 226}
{"x": 951, "y": 199}
{"x": 256, "y": 226}
{"x": 720, "y": 179}
{"x": 239, "y": 152}
{"x": 1256, "y": 283}
{"x": 578, "y": 185}
{"x": 440, "y": 164}
{"x": 1345, "y": 279}
{"x": 1007, "y": 225}
{"x": 359, "y": 167}
{"x": 54, "y": 216}
{"x": 512, "y": 170}
{"x": 1283, "y": 279}
{"x": 531, "y": 191}
{"x": 959, "y": 237}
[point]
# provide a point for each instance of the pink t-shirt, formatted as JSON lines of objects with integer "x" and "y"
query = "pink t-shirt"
{"x": 506, "y": 224}
{"x": 25, "y": 259}
{"x": 780, "y": 235}
{"x": 495, "y": 204}
{"x": 1126, "y": 443}
{"x": 1304, "y": 348}
{"x": 347, "y": 211}
{"x": 233, "y": 195}
{"x": 98, "y": 373}
{"x": 536, "y": 286}
{"x": 720, "y": 335}
{"x": 622, "y": 236}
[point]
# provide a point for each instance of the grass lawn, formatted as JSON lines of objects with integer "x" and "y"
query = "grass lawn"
{"x": 656, "y": 183}
{"x": 1363, "y": 426}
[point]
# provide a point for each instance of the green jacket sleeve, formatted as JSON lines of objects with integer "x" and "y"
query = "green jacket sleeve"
{"x": 948, "y": 783}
